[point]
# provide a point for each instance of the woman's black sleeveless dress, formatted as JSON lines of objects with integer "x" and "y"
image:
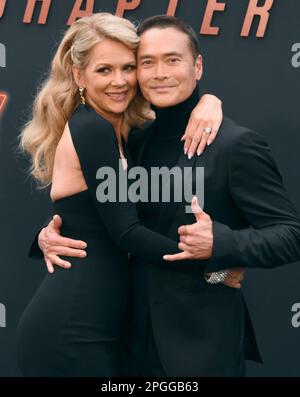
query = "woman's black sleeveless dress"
{"x": 72, "y": 325}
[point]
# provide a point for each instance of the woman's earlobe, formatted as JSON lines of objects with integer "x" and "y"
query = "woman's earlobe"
{"x": 76, "y": 76}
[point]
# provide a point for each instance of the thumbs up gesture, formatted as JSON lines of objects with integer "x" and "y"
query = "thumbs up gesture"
{"x": 196, "y": 240}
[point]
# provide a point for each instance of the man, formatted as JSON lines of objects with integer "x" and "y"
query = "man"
{"x": 178, "y": 324}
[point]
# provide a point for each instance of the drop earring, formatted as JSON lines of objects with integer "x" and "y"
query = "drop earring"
{"x": 82, "y": 98}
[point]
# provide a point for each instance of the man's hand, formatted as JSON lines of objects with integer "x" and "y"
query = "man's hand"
{"x": 53, "y": 244}
{"x": 234, "y": 277}
{"x": 207, "y": 114}
{"x": 196, "y": 240}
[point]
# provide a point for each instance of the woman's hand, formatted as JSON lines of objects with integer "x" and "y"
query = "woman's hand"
{"x": 207, "y": 115}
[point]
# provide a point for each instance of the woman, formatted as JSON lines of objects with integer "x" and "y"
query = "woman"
{"x": 72, "y": 325}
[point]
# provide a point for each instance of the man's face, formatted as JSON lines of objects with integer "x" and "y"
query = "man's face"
{"x": 167, "y": 72}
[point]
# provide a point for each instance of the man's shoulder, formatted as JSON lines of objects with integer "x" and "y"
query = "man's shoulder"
{"x": 232, "y": 133}
{"x": 231, "y": 129}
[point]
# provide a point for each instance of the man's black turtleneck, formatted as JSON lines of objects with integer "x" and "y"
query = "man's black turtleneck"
{"x": 164, "y": 149}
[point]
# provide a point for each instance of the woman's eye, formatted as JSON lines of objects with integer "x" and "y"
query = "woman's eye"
{"x": 130, "y": 67}
{"x": 103, "y": 70}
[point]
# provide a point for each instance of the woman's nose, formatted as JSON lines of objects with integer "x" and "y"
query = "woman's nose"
{"x": 119, "y": 79}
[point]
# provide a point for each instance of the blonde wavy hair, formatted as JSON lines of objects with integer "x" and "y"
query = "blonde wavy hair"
{"x": 58, "y": 95}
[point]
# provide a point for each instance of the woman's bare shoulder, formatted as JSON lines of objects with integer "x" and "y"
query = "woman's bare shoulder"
{"x": 65, "y": 146}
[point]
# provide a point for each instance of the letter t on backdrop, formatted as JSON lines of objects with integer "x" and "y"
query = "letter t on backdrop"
{"x": 172, "y": 8}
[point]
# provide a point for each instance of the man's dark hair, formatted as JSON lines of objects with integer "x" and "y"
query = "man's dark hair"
{"x": 164, "y": 21}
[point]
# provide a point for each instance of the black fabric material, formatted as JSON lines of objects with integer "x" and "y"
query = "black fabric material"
{"x": 202, "y": 329}
{"x": 71, "y": 327}
{"x": 163, "y": 150}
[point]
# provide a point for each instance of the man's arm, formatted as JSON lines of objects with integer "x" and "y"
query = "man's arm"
{"x": 35, "y": 251}
{"x": 273, "y": 239}
{"x": 257, "y": 188}
{"x": 49, "y": 244}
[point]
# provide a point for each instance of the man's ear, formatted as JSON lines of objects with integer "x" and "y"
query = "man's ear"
{"x": 77, "y": 75}
{"x": 199, "y": 67}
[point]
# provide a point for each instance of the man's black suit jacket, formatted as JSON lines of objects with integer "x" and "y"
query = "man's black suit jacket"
{"x": 202, "y": 329}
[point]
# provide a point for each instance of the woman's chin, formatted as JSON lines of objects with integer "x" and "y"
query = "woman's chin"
{"x": 118, "y": 108}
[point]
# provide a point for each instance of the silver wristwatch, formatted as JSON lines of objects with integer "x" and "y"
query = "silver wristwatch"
{"x": 217, "y": 277}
